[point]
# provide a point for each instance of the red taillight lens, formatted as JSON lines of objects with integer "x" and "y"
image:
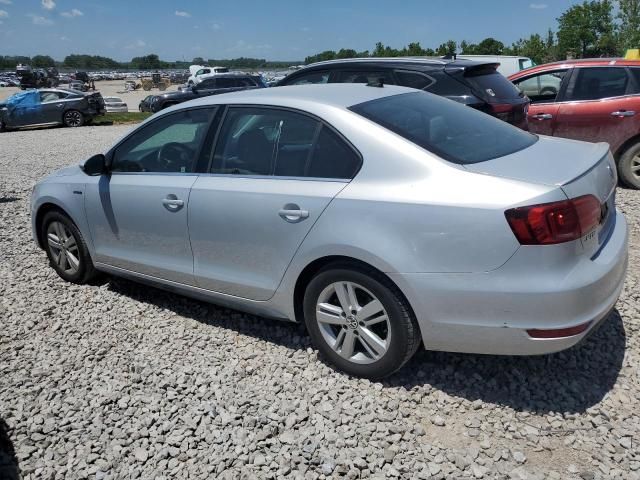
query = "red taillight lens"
{"x": 558, "y": 333}
{"x": 503, "y": 111}
{"x": 555, "y": 222}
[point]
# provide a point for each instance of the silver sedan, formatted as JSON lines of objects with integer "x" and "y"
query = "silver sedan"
{"x": 381, "y": 217}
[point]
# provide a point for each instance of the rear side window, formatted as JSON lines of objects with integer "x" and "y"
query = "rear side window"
{"x": 276, "y": 142}
{"x": 493, "y": 85}
{"x": 415, "y": 80}
{"x": 598, "y": 82}
{"x": 227, "y": 82}
{"x": 365, "y": 76}
{"x": 542, "y": 88}
{"x": 447, "y": 86}
{"x": 450, "y": 130}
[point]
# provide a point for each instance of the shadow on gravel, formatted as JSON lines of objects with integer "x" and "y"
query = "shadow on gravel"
{"x": 8, "y": 462}
{"x": 8, "y": 199}
{"x": 570, "y": 381}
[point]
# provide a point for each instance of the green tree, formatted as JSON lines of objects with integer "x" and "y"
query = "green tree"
{"x": 489, "y": 46}
{"x": 42, "y": 61}
{"x": 147, "y": 62}
{"x": 448, "y": 48}
{"x": 346, "y": 53}
{"x": 587, "y": 30}
{"x": 379, "y": 50}
{"x": 629, "y": 15}
{"x": 198, "y": 61}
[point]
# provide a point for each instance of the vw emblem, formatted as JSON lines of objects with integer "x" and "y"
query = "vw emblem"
{"x": 352, "y": 323}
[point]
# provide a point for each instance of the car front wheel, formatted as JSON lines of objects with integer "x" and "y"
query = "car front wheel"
{"x": 360, "y": 321}
{"x": 73, "y": 118}
{"x": 66, "y": 249}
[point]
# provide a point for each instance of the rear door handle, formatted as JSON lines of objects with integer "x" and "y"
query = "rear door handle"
{"x": 623, "y": 113}
{"x": 542, "y": 116}
{"x": 292, "y": 213}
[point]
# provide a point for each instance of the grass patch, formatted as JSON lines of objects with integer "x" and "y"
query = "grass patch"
{"x": 121, "y": 118}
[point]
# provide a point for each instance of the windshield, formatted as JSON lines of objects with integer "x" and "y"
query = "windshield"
{"x": 452, "y": 131}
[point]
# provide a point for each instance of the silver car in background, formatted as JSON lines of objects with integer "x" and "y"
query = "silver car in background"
{"x": 382, "y": 217}
{"x": 115, "y": 105}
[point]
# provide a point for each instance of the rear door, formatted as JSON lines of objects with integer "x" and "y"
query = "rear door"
{"x": 543, "y": 89}
{"x": 272, "y": 174}
{"x": 598, "y": 106}
{"x": 52, "y": 106}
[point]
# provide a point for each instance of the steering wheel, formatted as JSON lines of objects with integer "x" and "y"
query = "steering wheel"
{"x": 174, "y": 154}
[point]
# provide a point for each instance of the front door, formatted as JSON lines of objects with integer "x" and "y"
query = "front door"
{"x": 272, "y": 175}
{"x": 543, "y": 89}
{"x": 138, "y": 213}
{"x": 51, "y": 106}
{"x": 598, "y": 107}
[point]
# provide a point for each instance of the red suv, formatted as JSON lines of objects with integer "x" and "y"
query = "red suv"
{"x": 596, "y": 100}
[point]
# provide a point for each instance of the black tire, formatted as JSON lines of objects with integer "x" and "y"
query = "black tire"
{"x": 404, "y": 330}
{"x": 73, "y": 118}
{"x": 627, "y": 162}
{"x": 85, "y": 271}
{"x": 3, "y": 127}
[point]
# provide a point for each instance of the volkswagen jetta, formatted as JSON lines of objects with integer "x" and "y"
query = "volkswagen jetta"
{"x": 382, "y": 217}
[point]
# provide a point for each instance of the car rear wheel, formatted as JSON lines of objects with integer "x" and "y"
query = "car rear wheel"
{"x": 360, "y": 321}
{"x": 66, "y": 249}
{"x": 629, "y": 166}
{"x": 73, "y": 118}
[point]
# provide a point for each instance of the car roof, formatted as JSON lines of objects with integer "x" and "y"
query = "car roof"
{"x": 420, "y": 61}
{"x": 341, "y": 95}
{"x": 579, "y": 62}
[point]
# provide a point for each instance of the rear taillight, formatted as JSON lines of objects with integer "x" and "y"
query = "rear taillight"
{"x": 555, "y": 222}
{"x": 503, "y": 111}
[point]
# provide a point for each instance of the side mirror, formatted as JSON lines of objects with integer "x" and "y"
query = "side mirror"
{"x": 95, "y": 165}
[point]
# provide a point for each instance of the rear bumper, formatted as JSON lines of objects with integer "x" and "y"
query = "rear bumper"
{"x": 491, "y": 312}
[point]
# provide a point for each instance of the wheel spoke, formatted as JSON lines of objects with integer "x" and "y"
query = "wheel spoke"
{"x": 331, "y": 314}
{"x": 72, "y": 260}
{"x": 370, "y": 339}
{"x": 62, "y": 260}
{"x": 635, "y": 168}
{"x": 70, "y": 242}
{"x": 372, "y": 309}
{"x": 346, "y": 349}
{"x": 54, "y": 241}
{"x": 346, "y": 296}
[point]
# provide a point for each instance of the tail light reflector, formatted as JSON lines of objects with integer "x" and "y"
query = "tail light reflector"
{"x": 555, "y": 222}
{"x": 560, "y": 332}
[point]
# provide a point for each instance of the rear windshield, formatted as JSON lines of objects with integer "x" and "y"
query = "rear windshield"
{"x": 452, "y": 131}
{"x": 493, "y": 86}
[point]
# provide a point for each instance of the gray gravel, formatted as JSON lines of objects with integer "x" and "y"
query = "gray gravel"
{"x": 119, "y": 380}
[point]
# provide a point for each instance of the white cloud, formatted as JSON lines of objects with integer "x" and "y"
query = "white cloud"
{"x": 4, "y": 14}
{"x": 73, "y": 13}
{"x": 180, "y": 13}
{"x": 137, "y": 44}
{"x": 64, "y": 39}
{"x": 48, "y": 4}
{"x": 538, "y": 6}
{"x": 38, "y": 20}
{"x": 6, "y": 2}
{"x": 215, "y": 26}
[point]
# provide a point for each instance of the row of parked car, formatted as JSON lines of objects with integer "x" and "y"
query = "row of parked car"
{"x": 593, "y": 100}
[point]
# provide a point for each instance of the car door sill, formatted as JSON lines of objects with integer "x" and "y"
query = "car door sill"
{"x": 256, "y": 307}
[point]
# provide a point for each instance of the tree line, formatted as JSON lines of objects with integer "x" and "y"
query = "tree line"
{"x": 589, "y": 29}
{"x": 146, "y": 62}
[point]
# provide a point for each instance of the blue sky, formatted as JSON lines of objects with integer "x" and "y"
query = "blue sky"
{"x": 272, "y": 29}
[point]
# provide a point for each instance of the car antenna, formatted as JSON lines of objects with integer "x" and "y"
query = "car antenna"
{"x": 376, "y": 83}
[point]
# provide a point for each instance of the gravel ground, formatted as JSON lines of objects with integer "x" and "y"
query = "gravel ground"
{"x": 119, "y": 380}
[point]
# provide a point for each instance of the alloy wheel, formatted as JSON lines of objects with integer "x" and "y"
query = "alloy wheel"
{"x": 63, "y": 247}
{"x": 635, "y": 166}
{"x": 73, "y": 118}
{"x": 353, "y": 322}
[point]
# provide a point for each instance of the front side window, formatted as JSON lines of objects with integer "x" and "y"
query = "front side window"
{"x": 169, "y": 144}
{"x": 542, "y": 88}
{"x": 598, "y": 82}
{"x": 51, "y": 96}
{"x": 452, "y": 131}
{"x": 275, "y": 142}
{"x": 311, "y": 77}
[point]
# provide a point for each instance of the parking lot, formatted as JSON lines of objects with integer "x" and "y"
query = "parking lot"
{"x": 120, "y": 380}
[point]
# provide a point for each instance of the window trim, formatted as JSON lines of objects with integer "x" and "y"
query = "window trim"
{"x": 415, "y": 72}
{"x": 109, "y": 156}
{"x": 574, "y": 78}
{"x": 324, "y": 123}
{"x": 297, "y": 76}
{"x": 563, "y": 85}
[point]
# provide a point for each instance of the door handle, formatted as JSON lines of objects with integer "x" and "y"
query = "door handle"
{"x": 172, "y": 203}
{"x": 292, "y": 213}
{"x": 623, "y": 113}
{"x": 542, "y": 116}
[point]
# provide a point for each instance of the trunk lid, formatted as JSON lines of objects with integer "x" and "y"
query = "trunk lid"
{"x": 577, "y": 168}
